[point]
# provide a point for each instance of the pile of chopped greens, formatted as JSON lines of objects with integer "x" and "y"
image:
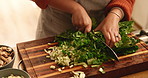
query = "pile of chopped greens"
{"x": 77, "y": 48}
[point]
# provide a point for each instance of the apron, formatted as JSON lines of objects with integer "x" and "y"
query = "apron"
{"x": 53, "y": 22}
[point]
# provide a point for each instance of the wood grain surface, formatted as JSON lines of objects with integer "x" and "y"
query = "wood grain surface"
{"x": 38, "y": 66}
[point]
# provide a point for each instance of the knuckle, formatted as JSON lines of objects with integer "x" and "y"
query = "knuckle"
{"x": 113, "y": 41}
{"x": 108, "y": 38}
{"x": 86, "y": 23}
{"x": 81, "y": 23}
{"x": 106, "y": 30}
{"x": 76, "y": 23}
{"x": 117, "y": 41}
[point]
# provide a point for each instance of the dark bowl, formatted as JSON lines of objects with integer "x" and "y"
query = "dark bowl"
{"x": 10, "y": 64}
{"x": 8, "y": 71}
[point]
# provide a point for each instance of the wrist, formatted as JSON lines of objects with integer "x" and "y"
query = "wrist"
{"x": 113, "y": 17}
{"x": 117, "y": 12}
{"x": 121, "y": 11}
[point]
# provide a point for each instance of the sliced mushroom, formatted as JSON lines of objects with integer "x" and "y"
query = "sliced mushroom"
{"x": 1, "y": 63}
{"x": 9, "y": 49}
{"x": 4, "y": 59}
{"x": 5, "y": 54}
{"x": 1, "y": 49}
{"x": 4, "y": 48}
{"x": 9, "y": 59}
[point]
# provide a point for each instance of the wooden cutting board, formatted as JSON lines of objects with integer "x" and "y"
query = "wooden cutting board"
{"x": 38, "y": 66}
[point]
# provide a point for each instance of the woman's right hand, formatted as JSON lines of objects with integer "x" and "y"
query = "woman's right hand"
{"x": 81, "y": 20}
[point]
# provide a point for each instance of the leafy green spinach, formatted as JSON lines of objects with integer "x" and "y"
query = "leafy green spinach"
{"x": 88, "y": 47}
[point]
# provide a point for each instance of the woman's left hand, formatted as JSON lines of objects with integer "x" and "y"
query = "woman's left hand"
{"x": 110, "y": 29}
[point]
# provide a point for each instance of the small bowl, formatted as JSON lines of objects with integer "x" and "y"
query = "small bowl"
{"x": 17, "y": 72}
{"x": 10, "y": 64}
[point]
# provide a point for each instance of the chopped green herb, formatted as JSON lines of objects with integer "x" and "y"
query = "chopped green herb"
{"x": 78, "y": 47}
{"x": 95, "y": 65}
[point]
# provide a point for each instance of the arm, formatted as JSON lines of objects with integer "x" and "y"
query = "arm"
{"x": 80, "y": 18}
{"x": 66, "y": 6}
{"x": 42, "y": 3}
{"x": 125, "y": 5}
{"x": 109, "y": 26}
{"x": 69, "y": 6}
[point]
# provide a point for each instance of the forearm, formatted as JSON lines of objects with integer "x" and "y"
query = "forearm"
{"x": 69, "y": 6}
{"x": 125, "y": 5}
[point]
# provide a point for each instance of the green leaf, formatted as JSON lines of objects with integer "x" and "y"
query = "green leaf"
{"x": 87, "y": 46}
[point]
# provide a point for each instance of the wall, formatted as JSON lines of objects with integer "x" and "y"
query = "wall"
{"x": 140, "y": 13}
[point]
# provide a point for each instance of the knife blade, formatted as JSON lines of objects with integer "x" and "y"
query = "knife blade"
{"x": 111, "y": 51}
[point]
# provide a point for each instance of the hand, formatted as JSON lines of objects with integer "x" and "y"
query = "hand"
{"x": 110, "y": 29}
{"x": 81, "y": 20}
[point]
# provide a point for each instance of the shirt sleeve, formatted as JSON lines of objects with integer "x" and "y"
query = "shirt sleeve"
{"x": 125, "y": 5}
{"x": 42, "y": 3}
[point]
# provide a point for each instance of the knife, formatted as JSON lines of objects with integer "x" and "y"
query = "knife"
{"x": 111, "y": 51}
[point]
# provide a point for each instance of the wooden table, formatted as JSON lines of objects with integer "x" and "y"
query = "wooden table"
{"x": 37, "y": 65}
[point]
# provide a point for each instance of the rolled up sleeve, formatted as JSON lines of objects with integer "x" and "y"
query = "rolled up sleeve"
{"x": 125, "y": 5}
{"x": 42, "y": 3}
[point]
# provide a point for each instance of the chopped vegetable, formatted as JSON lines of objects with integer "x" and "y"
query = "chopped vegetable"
{"x": 101, "y": 70}
{"x": 76, "y": 47}
{"x": 45, "y": 50}
{"x": 78, "y": 74}
{"x": 52, "y": 67}
{"x": 82, "y": 63}
{"x": 71, "y": 66}
{"x": 47, "y": 56}
{"x": 63, "y": 68}
{"x": 95, "y": 65}
{"x": 59, "y": 69}
{"x": 13, "y": 76}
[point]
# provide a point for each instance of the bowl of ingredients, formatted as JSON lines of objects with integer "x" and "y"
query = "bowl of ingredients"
{"x": 13, "y": 73}
{"x": 7, "y": 57}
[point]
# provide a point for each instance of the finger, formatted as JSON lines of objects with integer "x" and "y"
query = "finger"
{"x": 81, "y": 26}
{"x": 73, "y": 21}
{"x": 117, "y": 37}
{"x": 81, "y": 29}
{"x": 88, "y": 28}
{"x": 112, "y": 40}
{"x": 107, "y": 37}
{"x": 76, "y": 23}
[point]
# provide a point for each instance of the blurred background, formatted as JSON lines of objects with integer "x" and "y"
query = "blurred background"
{"x": 18, "y": 22}
{"x": 140, "y": 13}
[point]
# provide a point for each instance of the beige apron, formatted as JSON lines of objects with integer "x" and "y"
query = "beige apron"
{"x": 53, "y": 22}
